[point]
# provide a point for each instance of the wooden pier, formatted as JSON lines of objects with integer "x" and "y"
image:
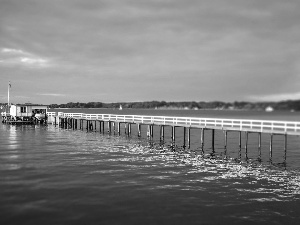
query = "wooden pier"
{"x": 258, "y": 127}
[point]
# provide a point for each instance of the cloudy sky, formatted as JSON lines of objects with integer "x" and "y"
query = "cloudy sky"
{"x": 60, "y": 51}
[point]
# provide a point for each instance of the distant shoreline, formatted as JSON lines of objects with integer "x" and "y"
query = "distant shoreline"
{"x": 291, "y": 105}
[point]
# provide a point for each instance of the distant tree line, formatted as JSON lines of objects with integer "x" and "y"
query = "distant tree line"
{"x": 283, "y": 105}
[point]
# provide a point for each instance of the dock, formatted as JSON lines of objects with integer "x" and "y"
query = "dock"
{"x": 89, "y": 122}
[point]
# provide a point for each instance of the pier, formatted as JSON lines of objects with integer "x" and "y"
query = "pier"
{"x": 90, "y": 122}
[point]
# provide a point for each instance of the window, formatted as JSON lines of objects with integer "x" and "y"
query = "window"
{"x": 23, "y": 109}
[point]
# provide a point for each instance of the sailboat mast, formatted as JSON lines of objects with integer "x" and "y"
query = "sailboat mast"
{"x": 8, "y": 93}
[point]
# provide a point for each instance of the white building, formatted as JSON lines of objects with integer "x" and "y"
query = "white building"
{"x": 269, "y": 109}
{"x": 20, "y": 111}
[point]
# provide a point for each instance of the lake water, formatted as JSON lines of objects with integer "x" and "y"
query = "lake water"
{"x": 50, "y": 175}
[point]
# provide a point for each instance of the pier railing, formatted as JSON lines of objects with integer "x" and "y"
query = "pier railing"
{"x": 264, "y": 126}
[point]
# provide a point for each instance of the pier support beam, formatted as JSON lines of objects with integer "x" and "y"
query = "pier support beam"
{"x": 246, "y": 145}
{"x": 148, "y": 131}
{"x": 202, "y": 140}
{"x": 151, "y": 131}
{"x": 189, "y": 137}
{"x": 162, "y": 132}
{"x": 184, "y": 134}
{"x": 271, "y": 147}
{"x": 259, "y": 146}
{"x": 285, "y": 147}
{"x": 119, "y": 128}
{"x": 114, "y": 127}
{"x": 213, "y": 139}
{"x": 139, "y": 130}
{"x": 225, "y": 140}
{"x": 129, "y": 129}
{"x": 173, "y": 134}
{"x": 109, "y": 127}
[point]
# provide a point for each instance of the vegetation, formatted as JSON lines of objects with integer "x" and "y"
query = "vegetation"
{"x": 283, "y": 105}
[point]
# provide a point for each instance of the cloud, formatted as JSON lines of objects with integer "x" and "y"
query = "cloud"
{"x": 52, "y": 94}
{"x": 276, "y": 97}
{"x": 10, "y": 56}
{"x": 218, "y": 49}
{"x": 13, "y": 51}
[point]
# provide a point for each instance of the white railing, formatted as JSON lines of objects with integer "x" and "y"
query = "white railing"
{"x": 51, "y": 114}
{"x": 290, "y": 127}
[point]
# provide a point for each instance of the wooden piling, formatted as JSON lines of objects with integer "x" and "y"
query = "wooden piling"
{"x": 240, "y": 140}
{"x": 129, "y": 129}
{"x": 162, "y": 132}
{"x": 114, "y": 127}
{"x": 148, "y": 130}
{"x": 173, "y": 134}
{"x": 139, "y": 130}
{"x": 285, "y": 147}
{"x": 119, "y": 128}
{"x": 109, "y": 127}
{"x": 225, "y": 139}
{"x": 202, "y": 140}
{"x": 271, "y": 147}
{"x": 189, "y": 137}
{"x": 259, "y": 146}
{"x": 246, "y": 145}
{"x": 184, "y": 134}
{"x": 213, "y": 139}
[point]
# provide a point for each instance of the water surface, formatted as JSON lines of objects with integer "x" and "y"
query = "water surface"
{"x": 50, "y": 175}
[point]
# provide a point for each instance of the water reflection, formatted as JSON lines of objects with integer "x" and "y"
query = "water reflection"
{"x": 223, "y": 167}
{"x": 12, "y": 138}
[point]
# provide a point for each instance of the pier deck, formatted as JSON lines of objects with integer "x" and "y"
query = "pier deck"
{"x": 257, "y": 126}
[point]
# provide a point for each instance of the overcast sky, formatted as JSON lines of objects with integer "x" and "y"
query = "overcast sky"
{"x": 58, "y": 51}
